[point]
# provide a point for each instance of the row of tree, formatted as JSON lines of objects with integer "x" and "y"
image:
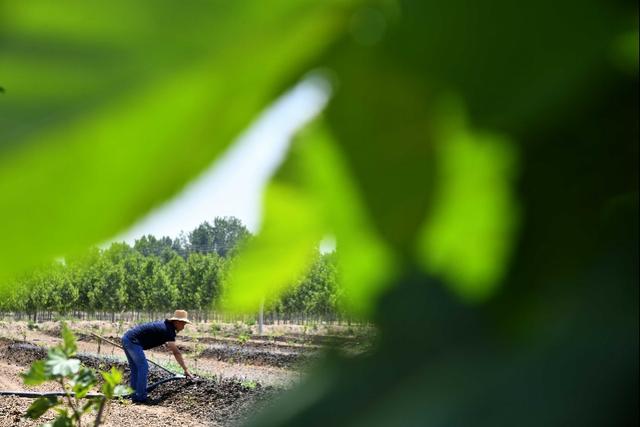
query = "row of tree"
{"x": 157, "y": 274}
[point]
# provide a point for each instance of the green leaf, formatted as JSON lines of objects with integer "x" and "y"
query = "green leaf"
{"x": 111, "y": 381}
{"x": 69, "y": 345}
{"x": 121, "y": 390}
{"x": 280, "y": 253}
{"x": 40, "y": 406}
{"x": 59, "y": 365}
{"x": 92, "y": 403}
{"x": 132, "y": 95}
{"x": 63, "y": 420}
{"x": 36, "y": 374}
{"x": 83, "y": 381}
{"x": 366, "y": 264}
{"x": 468, "y": 237}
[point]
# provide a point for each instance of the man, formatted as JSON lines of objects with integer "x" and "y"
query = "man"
{"x": 150, "y": 335}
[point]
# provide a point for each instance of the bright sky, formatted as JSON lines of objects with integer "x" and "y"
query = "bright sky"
{"x": 233, "y": 185}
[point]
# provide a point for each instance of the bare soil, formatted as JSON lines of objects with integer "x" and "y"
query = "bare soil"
{"x": 237, "y": 375}
{"x": 212, "y": 402}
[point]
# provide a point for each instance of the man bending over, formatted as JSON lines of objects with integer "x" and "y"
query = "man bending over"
{"x": 150, "y": 335}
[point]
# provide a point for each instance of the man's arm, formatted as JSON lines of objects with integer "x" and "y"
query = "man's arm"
{"x": 171, "y": 345}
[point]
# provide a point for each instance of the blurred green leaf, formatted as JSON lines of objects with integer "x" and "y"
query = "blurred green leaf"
{"x": 40, "y": 406}
{"x": 74, "y": 127}
{"x": 121, "y": 390}
{"x": 82, "y": 382}
{"x": 366, "y": 264}
{"x": 59, "y": 365}
{"x": 626, "y": 51}
{"x": 36, "y": 374}
{"x": 69, "y": 345}
{"x": 62, "y": 420}
{"x": 469, "y": 233}
{"x": 280, "y": 253}
{"x": 113, "y": 377}
{"x": 312, "y": 196}
{"x": 111, "y": 386}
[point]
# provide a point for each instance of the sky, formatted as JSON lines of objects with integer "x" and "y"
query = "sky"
{"x": 234, "y": 183}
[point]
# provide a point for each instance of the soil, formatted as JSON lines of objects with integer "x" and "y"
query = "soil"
{"x": 200, "y": 402}
{"x": 238, "y": 373}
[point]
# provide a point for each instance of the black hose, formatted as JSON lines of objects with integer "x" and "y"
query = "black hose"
{"x": 43, "y": 394}
{"x": 21, "y": 393}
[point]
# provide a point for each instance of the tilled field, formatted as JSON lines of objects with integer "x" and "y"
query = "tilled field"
{"x": 256, "y": 352}
{"x": 214, "y": 402}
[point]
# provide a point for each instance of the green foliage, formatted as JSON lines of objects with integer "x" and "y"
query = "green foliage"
{"x": 41, "y": 405}
{"x": 161, "y": 98}
{"x": 289, "y": 247}
{"x": 222, "y": 237}
{"x": 121, "y": 277}
{"x": 111, "y": 387}
{"x": 249, "y": 384}
{"x": 475, "y": 175}
{"x": 215, "y": 329}
{"x": 76, "y": 382}
{"x": 36, "y": 374}
{"x": 504, "y": 230}
{"x": 243, "y": 338}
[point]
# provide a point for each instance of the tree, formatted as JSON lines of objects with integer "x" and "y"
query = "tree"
{"x": 149, "y": 245}
{"x": 221, "y": 237}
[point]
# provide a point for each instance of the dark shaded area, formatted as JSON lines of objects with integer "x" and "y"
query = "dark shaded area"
{"x": 557, "y": 345}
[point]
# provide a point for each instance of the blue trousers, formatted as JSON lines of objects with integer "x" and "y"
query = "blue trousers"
{"x": 139, "y": 368}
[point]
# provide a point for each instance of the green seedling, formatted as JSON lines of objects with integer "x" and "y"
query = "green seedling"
{"x": 76, "y": 381}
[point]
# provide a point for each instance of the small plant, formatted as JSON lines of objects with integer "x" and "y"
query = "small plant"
{"x": 75, "y": 380}
{"x": 31, "y": 325}
{"x": 243, "y": 338}
{"x": 198, "y": 349}
{"x": 249, "y": 384}
{"x": 23, "y": 333}
{"x": 120, "y": 325}
{"x": 240, "y": 328}
{"x": 215, "y": 329}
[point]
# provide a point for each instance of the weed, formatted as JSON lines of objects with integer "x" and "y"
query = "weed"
{"x": 215, "y": 329}
{"x": 243, "y": 338}
{"x": 249, "y": 384}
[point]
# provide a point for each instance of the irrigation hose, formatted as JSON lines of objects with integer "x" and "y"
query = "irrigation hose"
{"x": 32, "y": 394}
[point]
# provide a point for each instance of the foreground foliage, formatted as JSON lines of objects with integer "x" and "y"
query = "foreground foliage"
{"x": 477, "y": 164}
{"x": 76, "y": 381}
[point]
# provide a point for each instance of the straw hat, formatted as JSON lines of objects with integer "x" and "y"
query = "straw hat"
{"x": 180, "y": 315}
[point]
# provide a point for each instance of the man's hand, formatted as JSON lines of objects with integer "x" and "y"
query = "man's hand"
{"x": 171, "y": 345}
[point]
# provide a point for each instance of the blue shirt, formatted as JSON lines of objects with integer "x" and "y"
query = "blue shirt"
{"x": 152, "y": 334}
